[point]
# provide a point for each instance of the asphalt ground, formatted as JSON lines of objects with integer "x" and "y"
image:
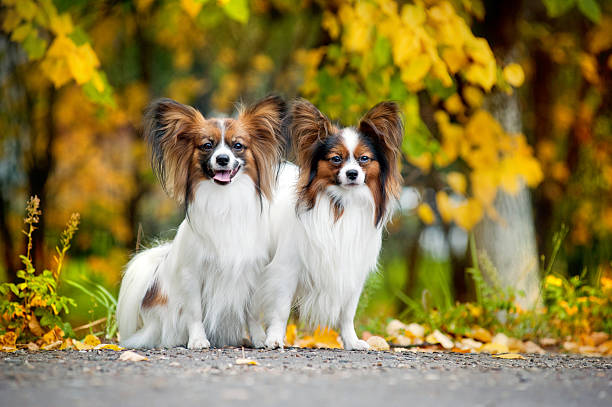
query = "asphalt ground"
{"x": 301, "y": 377}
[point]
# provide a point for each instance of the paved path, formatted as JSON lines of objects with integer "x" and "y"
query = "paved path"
{"x": 314, "y": 378}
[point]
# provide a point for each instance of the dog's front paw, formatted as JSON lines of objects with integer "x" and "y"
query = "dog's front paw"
{"x": 198, "y": 342}
{"x": 274, "y": 341}
{"x": 357, "y": 345}
{"x": 258, "y": 339}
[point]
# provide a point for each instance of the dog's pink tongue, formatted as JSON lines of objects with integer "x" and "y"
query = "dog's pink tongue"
{"x": 223, "y": 176}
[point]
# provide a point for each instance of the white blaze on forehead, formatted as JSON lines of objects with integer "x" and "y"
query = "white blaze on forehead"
{"x": 221, "y": 124}
{"x": 351, "y": 139}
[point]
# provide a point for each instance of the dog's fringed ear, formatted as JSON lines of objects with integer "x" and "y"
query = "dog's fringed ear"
{"x": 307, "y": 126}
{"x": 263, "y": 121}
{"x": 383, "y": 125}
{"x": 169, "y": 129}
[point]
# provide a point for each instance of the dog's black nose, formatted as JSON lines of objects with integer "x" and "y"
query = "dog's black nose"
{"x": 352, "y": 174}
{"x": 223, "y": 159}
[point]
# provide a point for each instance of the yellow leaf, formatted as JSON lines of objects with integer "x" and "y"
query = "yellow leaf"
{"x": 83, "y": 63}
{"x": 514, "y": 75}
{"x": 423, "y": 161}
{"x": 11, "y": 20}
{"x": 26, "y": 9}
{"x": 473, "y": 96}
{"x": 468, "y": 213}
{"x": 330, "y": 24}
{"x": 495, "y": 348}
{"x": 109, "y": 346}
{"x": 54, "y": 335}
{"x": 192, "y": 7}
{"x": 56, "y": 70}
{"x": 457, "y": 182}
{"x": 98, "y": 83}
{"x": 413, "y": 73}
{"x": 483, "y": 75}
{"x": 453, "y": 104}
{"x": 291, "y": 334}
{"x": 243, "y": 361}
{"x": 91, "y": 340}
{"x": 455, "y": 59}
{"x": 21, "y": 32}
{"x": 445, "y": 206}
{"x": 78, "y": 345}
{"x": 61, "y": 24}
{"x": 551, "y": 280}
{"x": 426, "y": 214}
{"x": 321, "y": 338}
{"x": 481, "y": 334}
{"x": 509, "y": 356}
{"x": 8, "y": 339}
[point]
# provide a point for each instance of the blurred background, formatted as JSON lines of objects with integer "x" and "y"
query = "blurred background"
{"x": 508, "y": 127}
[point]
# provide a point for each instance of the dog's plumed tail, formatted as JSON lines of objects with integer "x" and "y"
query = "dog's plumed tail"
{"x": 138, "y": 277}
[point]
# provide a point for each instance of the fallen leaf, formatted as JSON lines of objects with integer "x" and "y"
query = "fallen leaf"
{"x": 416, "y": 330}
{"x": 471, "y": 344}
{"x": 109, "y": 346}
{"x": 129, "y": 356}
{"x": 599, "y": 338}
{"x": 605, "y": 348}
{"x": 35, "y": 327}
{"x": 394, "y": 327}
{"x": 377, "y": 343}
{"x": 570, "y": 346}
{"x": 366, "y": 335}
{"x": 501, "y": 339}
{"x": 442, "y": 340}
{"x": 52, "y": 345}
{"x": 532, "y": 347}
{"x": 33, "y": 346}
{"x": 509, "y": 356}
{"x": 481, "y": 334}
{"x": 402, "y": 340}
{"x": 290, "y": 334}
{"x": 243, "y": 361}
{"x": 548, "y": 342}
{"x": 495, "y": 348}
{"x": 78, "y": 345}
{"x": 91, "y": 340}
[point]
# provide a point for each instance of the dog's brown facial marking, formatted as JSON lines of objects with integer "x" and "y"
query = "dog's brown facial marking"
{"x": 188, "y": 149}
{"x": 368, "y": 154}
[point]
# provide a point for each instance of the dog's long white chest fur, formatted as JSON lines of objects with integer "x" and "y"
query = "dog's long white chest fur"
{"x": 320, "y": 262}
{"x": 218, "y": 252}
{"x": 336, "y": 254}
{"x": 328, "y": 217}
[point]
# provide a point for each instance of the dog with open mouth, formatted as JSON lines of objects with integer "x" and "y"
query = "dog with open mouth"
{"x": 196, "y": 289}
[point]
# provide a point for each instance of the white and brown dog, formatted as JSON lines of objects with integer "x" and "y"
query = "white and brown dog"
{"x": 327, "y": 219}
{"x": 196, "y": 289}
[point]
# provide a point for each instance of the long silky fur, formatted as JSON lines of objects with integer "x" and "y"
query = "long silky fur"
{"x": 219, "y": 250}
{"x": 326, "y": 238}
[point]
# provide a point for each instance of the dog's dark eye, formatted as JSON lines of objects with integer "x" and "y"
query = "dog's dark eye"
{"x": 206, "y": 146}
{"x": 364, "y": 159}
{"x": 238, "y": 146}
{"x": 336, "y": 159}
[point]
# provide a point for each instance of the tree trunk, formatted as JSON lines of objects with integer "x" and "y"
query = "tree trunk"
{"x": 509, "y": 243}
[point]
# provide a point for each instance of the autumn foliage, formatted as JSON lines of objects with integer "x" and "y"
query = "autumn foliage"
{"x": 76, "y": 77}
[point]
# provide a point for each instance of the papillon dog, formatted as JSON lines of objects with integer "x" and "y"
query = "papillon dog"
{"x": 195, "y": 290}
{"x": 328, "y": 217}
